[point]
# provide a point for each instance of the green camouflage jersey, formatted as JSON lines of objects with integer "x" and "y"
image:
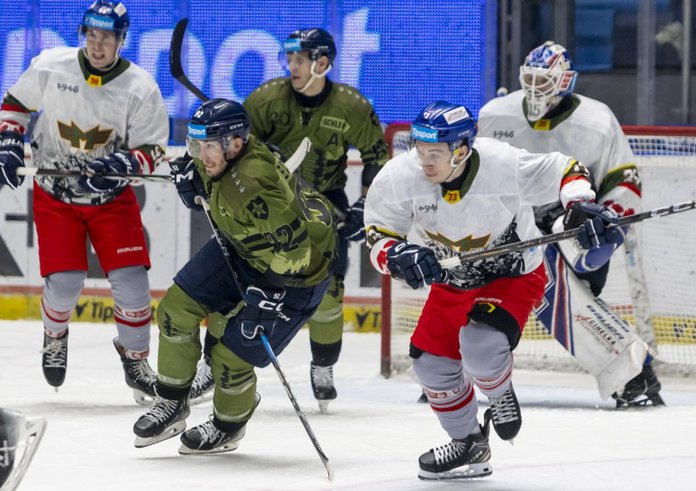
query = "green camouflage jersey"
{"x": 278, "y": 227}
{"x": 341, "y": 117}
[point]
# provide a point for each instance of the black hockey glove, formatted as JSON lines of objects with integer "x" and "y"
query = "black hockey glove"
{"x": 353, "y": 227}
{"x": 96, "y": 179}
{"x": 593, "y": 220}
{"x": 187, "y": 180}
{"x": 415, "y": 264}
{"x": 261, "y": 313}
{"x": 11, "y": 158}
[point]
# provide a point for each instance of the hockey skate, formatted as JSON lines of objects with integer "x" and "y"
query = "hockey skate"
{"x": 203, "y": 383}
{"x": 506, "y": 415}
{"x": 19, "y": 439}
{"x": 208, "y": 439}
{"x": 459, "y": 459}
{"x": 138, "y": 374}
{"x": 322, "y": 385}
{"x": 55, "y": 359}
{"x": 642, "y": 390}
{"x": 165, "y": 419}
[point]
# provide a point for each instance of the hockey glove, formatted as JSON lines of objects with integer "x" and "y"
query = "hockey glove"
{"x": 353, "y": 228}
{"x": 97, "y": 179}
{"x": 593, "y": 220}
{"x": 261, "y": 313}
{"x": 415, "y": 264}
{"x": 11, "y": 158}
{"x": 187, "y": 180}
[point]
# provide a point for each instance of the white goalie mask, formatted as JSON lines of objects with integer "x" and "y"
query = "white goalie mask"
{"x": 19, "y": 439}
{"x": 546, "y": 76}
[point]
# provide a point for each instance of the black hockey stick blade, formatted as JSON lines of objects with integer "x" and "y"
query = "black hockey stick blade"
{"x": 451, "y": 262}
{"x": 175, "y": 67}
{"x": 33, "y": 171}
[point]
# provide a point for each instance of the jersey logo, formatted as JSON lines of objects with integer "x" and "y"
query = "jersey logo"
{"x": 498, "y": 134}
{"x": 452, "y": 196}
{"x": 83, "y": 140}
{"x": 332, "y": 123}
{"x": 258, "y": 208}
{"x": 542, "y": 125}
{"x": 94, "y": 80}
{"x": 466, "y": 244}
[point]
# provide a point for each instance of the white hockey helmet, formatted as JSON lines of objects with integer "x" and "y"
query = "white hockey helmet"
{"x": 546, "y": 76}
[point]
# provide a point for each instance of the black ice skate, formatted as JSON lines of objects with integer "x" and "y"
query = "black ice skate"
{"x": 165, "y": 419}
{"x": 322, "y": 385}
{"x": 642, "y": 390}
{"x": 506, "y": 414}
{"x": 459, "y": 459}
{"x": 203, "y": 383}
{"x": 55, "y": 359}
{"x": 208, "y": 438}
{"x": 139, "y": 376}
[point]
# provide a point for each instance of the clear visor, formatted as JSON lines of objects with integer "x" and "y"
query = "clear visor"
{"x": 202, "y": 148}
{"x": 292, "y": 59}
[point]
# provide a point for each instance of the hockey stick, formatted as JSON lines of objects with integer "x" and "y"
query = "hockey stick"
{"x": 175, "y": 67}
{"x": 269, "y": 350}
{"x": 459, "y": 259}
{"x": 33, "y": 171}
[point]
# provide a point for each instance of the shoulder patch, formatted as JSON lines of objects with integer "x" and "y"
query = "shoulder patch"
{"x": 258, "y": 208}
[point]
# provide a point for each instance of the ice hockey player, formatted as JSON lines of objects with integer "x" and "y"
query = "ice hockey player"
{"x": 99, "y": 113}
{"x": 459, "y": 192}
{"x": 19, "y": 439}
{"x": 547, "y": 115}
{"x": 281, "y": 239}
{"x": 334, "y": 116}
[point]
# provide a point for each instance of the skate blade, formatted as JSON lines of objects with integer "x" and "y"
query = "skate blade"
{"x": 142, "y": 399}
{"x": 470, "y": 471}
{"x": 169, "y": 432}
{"x": 644, "y": 401}
{"x": 227, "y": 447}
{"x": 323, "y": 407}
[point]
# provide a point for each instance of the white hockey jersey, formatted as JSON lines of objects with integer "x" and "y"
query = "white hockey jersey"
{"x": 495, "y": 208}
{"x": 589, "y": 132}
{"x": 87, "y": 116}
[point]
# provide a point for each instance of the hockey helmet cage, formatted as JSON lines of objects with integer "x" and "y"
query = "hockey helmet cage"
{"x": 546, "y": 76}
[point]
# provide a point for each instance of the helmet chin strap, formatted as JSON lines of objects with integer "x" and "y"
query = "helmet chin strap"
{"x": 455, "y": 167}
{"x": 314, "y": 76}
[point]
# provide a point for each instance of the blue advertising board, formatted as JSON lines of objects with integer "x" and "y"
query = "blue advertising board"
{"x": 402, "y": 54}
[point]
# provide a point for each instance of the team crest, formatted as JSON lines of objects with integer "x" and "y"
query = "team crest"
{"x": 258, "y": 208}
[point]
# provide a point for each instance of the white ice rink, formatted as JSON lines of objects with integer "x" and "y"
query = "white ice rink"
{"x": 373, "y": 434}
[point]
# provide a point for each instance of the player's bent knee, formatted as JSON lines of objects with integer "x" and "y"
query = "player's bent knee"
{"x": 178, "y": 315}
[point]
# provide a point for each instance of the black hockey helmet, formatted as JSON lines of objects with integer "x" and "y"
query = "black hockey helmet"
{"x": 217, "y": 119}
{"x": 315, "y": 41}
